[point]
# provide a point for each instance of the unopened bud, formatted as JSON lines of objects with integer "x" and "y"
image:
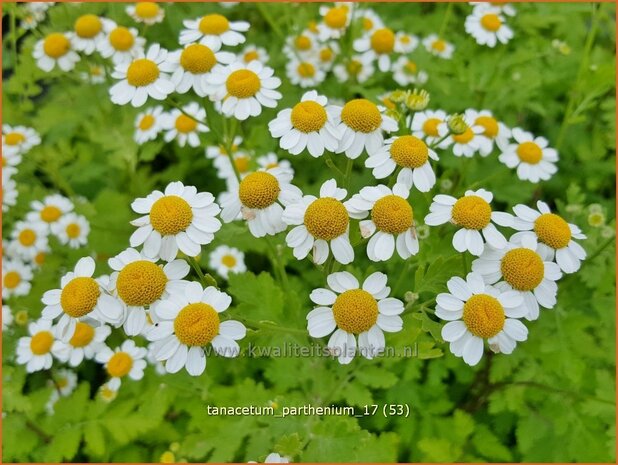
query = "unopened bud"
{"x": 417, "y": 100}
{"x": 457, "y": 124}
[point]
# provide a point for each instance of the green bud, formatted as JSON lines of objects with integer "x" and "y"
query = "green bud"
{"x": 457, "y": 124}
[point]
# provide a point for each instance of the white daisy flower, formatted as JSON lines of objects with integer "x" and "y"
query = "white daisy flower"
{"x": 310, "y": 124}
{"x": 185, "y": 129}
{"x": 252, "y": 52}
{"x": 405, "y": 43}
{"x": 126, "y": 360}
{"x": 270, "y": 160}
{"x": 80, "y": 296}
{"x": 553, "y": 234}
{"x": 50, "y": 210}
{"x": 39, "y": 7}
{"x": 7, "y": 317}
{"x": 148, "y": 125}
{"x": 504, "y": 8}
{"x": 218, "y": 153}
{"x": 95, "y": 74}
{"x": 9, "y": 194}
{"x": 473, "y": 213}
{"x": 476, "y": 311}
{"x": 488, "y": 27}
{"x": 406, "y": 72}
{"x": 56, "y": 49}
{"x": 243, "y": 89}
{"x": 63, "y": 383}
{"x": 40, "y": 257}
{"x": 86, "y": 341}
{"x": 522, "y": 269}
{"x": 34, "y": 350}
{"x": 321, "y": 224}
{"x": 430, "y": 125}
{"x": 493, "y": 130}
{"x": 142, "y": 78}
{"x": 438, "y": 47}
{"x": 225, "y": 260}
{"x": 121, "y": 44}
{"x": 17, "y": 140}
{"x": 243, "y": 162}
{"x": 358, "y": 69}
{"x": 379, "y": 45}
{"x": 531, "y": 156}
{"x": 16, "y": 277}
{"x": 391, "y": 225}
{"x": 301, "y": 46}
{"x": 351, "y": 311}
{"x": 335, "y": 20}
{"x": 306, "y": 73}
{"x": 326, "y": 54}
{"x": 360, "y": 123}
{"x": 213, "y": 30}
{"x": 72, "y": 230}
{"x": 190, "y": 320}
{"x": 106, "y": 393}
{"x": 260, "y": 198}
{"x": 369, "y": 19}
{"x": 88, "y": 32}
{"x": 29, "y": 238}
{"x": 410, "y": 156}
{"x": 468, "y": 142}
{"x": 31, "y": 20}
{"x": 146, "y": 12}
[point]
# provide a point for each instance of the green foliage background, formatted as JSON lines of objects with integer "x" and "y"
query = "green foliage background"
{"x": 552, "y": 400}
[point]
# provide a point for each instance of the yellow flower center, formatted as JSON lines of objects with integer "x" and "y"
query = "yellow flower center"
{"x": 259, "y": 190}
{"x": 88, "y": 26}
{"x": 56, "y": 45}
{"x": 388, "y": 103}
{"x": 409, "y": 152}
{"x": 361, "y": 115}
{"x": 552, "y": 230}
{"x": 196, "y": 324}
{"x": 185, "y": 124}
{"x": 491, "y": 22}
{"x": 62, "y": 383}
{"x": 471, "y": 212}
{"x": 214, "y": 25}
{"x": 383, "y": 41}
{"x": 147, "y": 10}
{"x": 392, "y": 214}
{"x": 229, "y": 261}
{"x": 438, "y": 45}
{"x": 243, "y": 83}
{"x": 107, "y": 394}
{"x": 306, "y": 70}
{"x": 410, "y": 67}
{"x": 242, "y": 164}
{"x": 12, "y": 279}
{"x": 302, "y": 43}
{"x": 167, "y": 457}
{"x": 84, "y": 334}
{"x": 79, "y": 296}
{"x": 250, "y": 56}
{"x": 313, "y": 27}
{"x": 41, "y": 342}
{"x": 430, "y": 127}
{"x": 367, "y": 24}
{"x": 119, "y": 365}
{"x": 197, "y": 59}
{"x": 73, "y": 230}
{"x": 50, "y": 213}
{"x": 355, "y": 311}
{"x": 141, "y": 283}
{"x": 14, "y": 138}
{"x": 523, "y": 269}
{"x": 39, "y": 258}
{"x": 354, "y": 67}
{"x": 170, "y": 215}
{"x": 405, "y": 40}
{"x": 308, "y": 116}
{"x": 326, "y": 55}
{"x": 27, "y": 237}
{"x": 336, "y": 18}
{"x": 146, "y": 122}
{"x": 142, "y": 72}
{"x": 483, "y": 316}
{"x": 464, "y": 137}
{"x": 326, "y": 218}
{"x": 121, "y": 39}
{"x": 529, "y": 152}
{"x": 489, "y": 124}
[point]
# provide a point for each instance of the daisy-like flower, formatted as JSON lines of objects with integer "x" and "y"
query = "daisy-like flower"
{"x": 270, "y": 160}
{"x": 89, "y": 32}
{"x": 16, "y": 277}
{"x": 379, "y": 45}
{"x": 476, "y": 311}
{"x": 50, "y": 210}
{"x": 31, "y": 20}
{"x": 408, "y": 154}
{"x": 64, "y": 382}
{"x": 86, "y": 341}
{"x": 301, "y": 46}
{"x": 178, "y": 219}
{"x": 360, "y": 125}
{"x": 521, "y": 268}
{"x": 28, "y": 239}
{"x": 243, "y": 89}
{"x": 94, "y": 75}
{"x": 218, "y": 153}
{"x": 405, "y": 43}
{"x": 72, "y": 230}
{"x": 251, "y": 52}
{"x": 190, "y": 320}
{"x": 148, "y": 124}
{"x": 225, "y": 260}
{"x": 80, "y": 296}
{"x": 369, "y": 19}
{"x": 121, "y": 44}
{"x": 142, "y": 78}
{"x": 140, "y": 283}
{"x": 56, "y": 49}
{"x": 357, "y": 69}
{"x": 213, "y": 30}
{"x": 106, "y": 393}
{"x": 260, "y": 198}
{"x": 126, "y": 360}
{"x": 391, "y": 225}
{"x": 554, "y": 235}
{"x": 309, "y": 124}
{"x": 468, "y": 142}
{"x": 304, "y": 73}
{"x": 351, "y": 311}
{"x": 321, "y": 224}
{"x": 430, "y": 125}
{"x": 7, "y": 317}
{"x": 243, "y": 162}
{"x": 493, "y": 130}
{"x": 438, "y": 47}
{"x": 504, "y": 8}
{"x": 406, "y": 72}
{"x": 335, "y": 20}
{"x": 185, "y": 129}
{"x": 190, "y": 67}
{"x": 146, "y": 12}
{"x": 473, "y": 213}
{"x": 9, "y": 194}
{"x": 34, "y": 350}
{"x": 531, "y": 156}
{"x": 326, "y": 54}
{"x": 488, "y": 27}
{"x": 17, "y": 140}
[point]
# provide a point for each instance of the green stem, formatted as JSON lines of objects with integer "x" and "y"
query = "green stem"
{"x": 434, "y": 144}
{"x": 331, "y": 164}
{"x": 228, "y": 142}
{"x": 348, "y": 172}
{"x": 277, "y": 263}
{"x": 603, "y": 246}
{"x": 206, "y": 279}
{"x": 464, "y": 262}
{"x": 269, "y": 19}
{"x": 179, "y": 107}
{"x": 445, "y": 19}
{"x": 268, "y": 326}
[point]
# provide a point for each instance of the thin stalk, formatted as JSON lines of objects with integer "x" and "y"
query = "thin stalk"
{"x": 603, "y": 246}
{"x": 445, "y": 19}
{"x": 206, "y": 279}
{"x": 265, "y": 325}
{"x": 228, "y": 143}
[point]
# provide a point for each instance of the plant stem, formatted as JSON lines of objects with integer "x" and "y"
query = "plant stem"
{"x": 603, "y": 246}
{"x": 348, "y": 172}
{"x": 271, "y": 327}
{"x": 228, "y": 142}
{"x": 179, "y": 107}
{"x": 464, "y": 262}
{"x": 445, "y": 19}
{"x": 206, "y": 279}
{"x": 277, "y": 263}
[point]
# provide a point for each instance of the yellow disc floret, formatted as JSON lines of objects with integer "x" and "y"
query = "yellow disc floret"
{"x": 141, "y": 283}
{"x": 50, "y": 213}
{"x": 119, "y": 365}
{"x": 438, "y": 45}
{"x": 196, "y": 324}
{"x": 142, "y": 72}
{"x": 88, "y": 26}
{"x": 409, "y": 152}
{"x": 243, "y": 83}
{"x": 361, "y": 115}
{"x": 56, "y": 45}
{"x": 250, "y": 56}
{"x": 121, "y": 39}
{"x": 355, "y": 311}
{"x": 146, "y": 122}
{"x": 308, "y": 116}
{"x": 147, "y": 10}
{"x": 464, "y": 137}
{"x": 84, "y": 334}
{"x": 326, "y": 218}
{"x": 529, "y": 152}
{"x": 214, "y": 24}
{"x": 489, "y": 124}
{"x": 491, "y": 22}
{"x": 185, "y": 124}
{"x": 197, "y": 59}
{"x": 12, "y": 279}
{"x": 14, "y": 138}
{"x": 354, "y": 67}
{"x": 242, "y": 163}
{"x": 392, "y": 214}
{"x": 552, "y": 230}
{"x": 410, "y": 67}
{"x": 483, "y": 316}
{"x": 336, "y": 18}
{"x": 170, "y": 215}
{"x": 73, "y": 230}
{"x": 27, "y": 237}
{"x": 259, "y": 190}
{"x": 306, "y": 70}
{"x": 79, "y": 296}
{"x": 41, "y": 342}
{"x": 229, "y": 261}
{"x": 471, "y": 212}
{"x": 523, "y": 269}
{"x": 302, "y": 43}
{"x": 383, "y": 41}
{"x": 430, "y": 127}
